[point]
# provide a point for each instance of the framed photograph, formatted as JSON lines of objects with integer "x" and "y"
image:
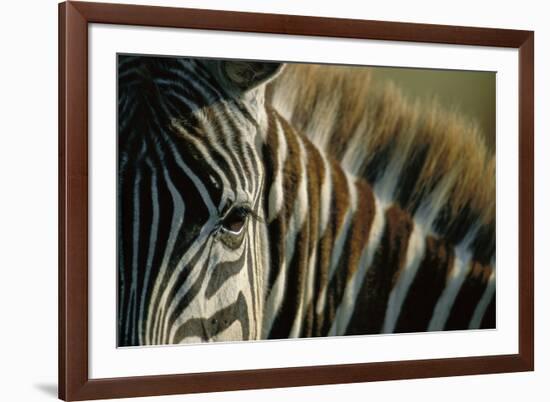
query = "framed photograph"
{"x": 260, "y": 200}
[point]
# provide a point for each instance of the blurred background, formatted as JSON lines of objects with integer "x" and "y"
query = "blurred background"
{"x": 471, "y": 93}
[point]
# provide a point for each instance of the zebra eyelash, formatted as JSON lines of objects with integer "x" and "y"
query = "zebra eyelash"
{"x": 253, "y": 215}
{"x": 242, "y": 212}
{"x": 246, "y": 208}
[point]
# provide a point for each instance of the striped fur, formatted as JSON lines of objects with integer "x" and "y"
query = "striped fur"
{"x": 378, "y": 221}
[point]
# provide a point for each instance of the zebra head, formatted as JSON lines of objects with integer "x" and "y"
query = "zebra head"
{"x": 192, "y": 236}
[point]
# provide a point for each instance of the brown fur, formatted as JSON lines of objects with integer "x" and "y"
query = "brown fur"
{"x": 427, "y": 286}
{"x": 423, "y": 158}
{"x": 380, "y": 279}
{"x": 367, "y": 127}
{"x": 357, "y": 238}
{"x": 315, "y": 175}
{"x": 470, "y": 293}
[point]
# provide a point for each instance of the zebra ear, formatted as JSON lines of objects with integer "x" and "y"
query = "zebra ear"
{"x": 246, "y": 75}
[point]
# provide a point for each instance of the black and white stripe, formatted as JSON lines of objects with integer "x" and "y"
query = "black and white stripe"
{"x": 234, "y": 226}
{"x": 183, "y": 276}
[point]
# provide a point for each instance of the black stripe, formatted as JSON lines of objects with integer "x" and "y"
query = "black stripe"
{"x": 207, "y": 328}
{"x": 381, "y": 276}
{"x": 489, "y": 318}
{"x": 222, "y": 272}
{"x": 184, "y": 301}
{"x": 125, "y": 236}
{"x": 145, "y": 227}
{"x": 468, "y": 297}
{"x": 293, "y": 289}
{"x": 427, "y": 286}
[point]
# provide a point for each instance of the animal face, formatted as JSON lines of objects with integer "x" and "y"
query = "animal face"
{"x": 192, "y": 241}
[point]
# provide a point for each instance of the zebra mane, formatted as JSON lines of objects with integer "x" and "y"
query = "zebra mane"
{"x": 431, "y": 162}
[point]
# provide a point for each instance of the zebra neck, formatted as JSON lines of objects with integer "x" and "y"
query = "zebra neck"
{"x": 319, "y": 221}
{"x": 341, "y": 262}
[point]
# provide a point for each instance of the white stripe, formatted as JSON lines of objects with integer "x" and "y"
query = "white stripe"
{"x": 123, "y": 72}
{"x": 169, "y": 91}
{"x": 261, "y": 268}
{"x": 226, "y": 295}
{"x": 454, "y": 283}
{"x": 132, "y": 304}
{"x": 152, "y": 244}
{"x": 324, "y": 206}
{"x": 352, "y": 190}
{"x": 276, "y": 295}
{"x": 356, "y": 151}
{"x": 229, "y": 136}
{"x": 310, "y": 280}
{"x": 415, "y": 252}
{"x": 175, "y": 225}
{"x": 304, "y": 200}
{"x": 349, "y": 300}
{"x": 340, "y": 242}
{"x": 276, "y": 190}
{"x": 206, "y": 155}
{"x": 321, "y": 122}
{"x": 191, "y": 339}
{"x": 483, "y": 303}
{"x": 195, "y": 81}
{"x": 431, "y": 206}
{"x": 220, "y": 115}
{"x": 386, "y": 185}
{"x": 214, "y": 144}
{"x": 125, "y": 116}
{"x": 259, "y": 265}
{"x": 326, "y": 196}
{"x": 195, "y": 179}
{"x": 232, "y": 333}
{"x": 170, "y": 305}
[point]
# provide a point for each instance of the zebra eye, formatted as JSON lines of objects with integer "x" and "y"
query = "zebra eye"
{"x": 234, "y": 221}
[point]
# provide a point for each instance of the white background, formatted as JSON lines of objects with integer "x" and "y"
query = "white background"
{"x": 28, "y": 200}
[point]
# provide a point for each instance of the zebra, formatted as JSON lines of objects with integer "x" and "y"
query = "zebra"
{"x": 260, "y": 200}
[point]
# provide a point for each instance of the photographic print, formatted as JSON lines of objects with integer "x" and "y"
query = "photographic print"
{"x": 264, "y": 200}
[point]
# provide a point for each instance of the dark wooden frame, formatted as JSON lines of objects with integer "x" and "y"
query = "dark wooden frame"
{"x": 74, "y": 383}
